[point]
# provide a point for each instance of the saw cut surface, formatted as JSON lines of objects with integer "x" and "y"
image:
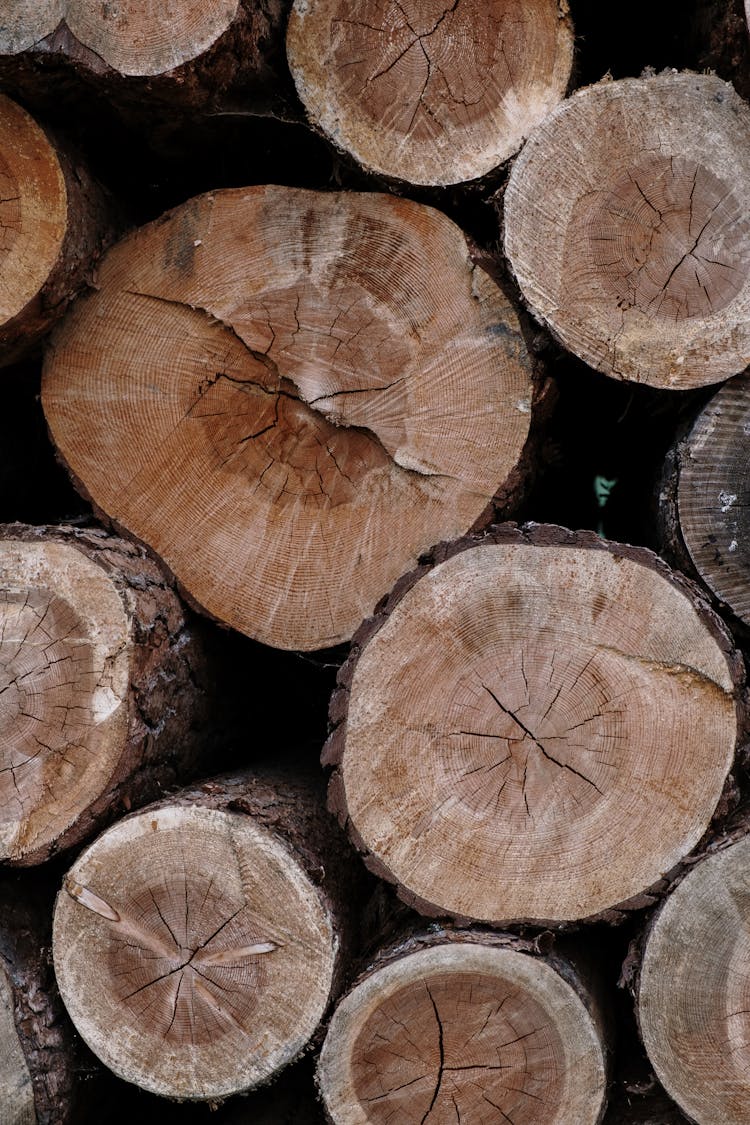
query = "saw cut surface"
{"x": 694, "y": 998}
{"x": 465, "y": 1033}
{"x": 289, "y": 397}
{"x": 536, "y": 733}
{"x": 134, "y": 37}
{"x": 626, "y": 226}
{"x": 430, "y": 92}
{"x": 33, "y": 208}
{"x": 192, "y": 952}
{"x": 64, "y": 661}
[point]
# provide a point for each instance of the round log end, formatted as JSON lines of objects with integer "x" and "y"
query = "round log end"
{"x": 192, "y": 952}
{"x": 65, "y": 643}
{"x": 463, "y": 1032}
{"x": 694, "y": 994}
{"x": 538, "y": 730}
{"x": 433, "y": 93}
{"x": 324, "y": 384}
{"x": 626, "y": 228}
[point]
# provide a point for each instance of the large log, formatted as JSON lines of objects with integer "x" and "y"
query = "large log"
{"x": 54, "y": 222}
{"x": 472, "y": 1026}
{"x": 433, "y": 93}
{"x": 102, "y": 687}
{"x": 198, "y": 942}
{"x": 626, "y": 229}
{"x": 535, "y": 726}
{"x": 693, "y": 989}
{"x": 325, "y": 385}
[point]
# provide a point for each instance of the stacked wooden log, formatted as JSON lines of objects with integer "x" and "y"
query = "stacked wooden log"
{"x": 374, "y": 710}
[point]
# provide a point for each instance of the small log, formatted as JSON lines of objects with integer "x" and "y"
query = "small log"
{"x": 198, "y": 942}
{"x": 54, "y": 222}
{"x": 432, "y": 93}
{"x": 535, "y": 726}
{"x": 324, "y": 384}
{"x": 693, "y": 989}
{"x": 705, "y": 522}
{"x": 100, "y": 686}
{"x": 474, "y": 1027}
{"x": 626, "y": 228}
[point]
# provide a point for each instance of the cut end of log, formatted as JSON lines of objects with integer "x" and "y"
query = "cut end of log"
{"x": 433, "y": 93}
{"x": 712, "y": 498}
{"x": 33, "y": 209}
{"x": 536, "y": 732}
{"x": 694, "y": 995}
{"x": 463, "y": 1032}
{"x": 64, "y": 660}
{"x": 133, "y": 37}
{"x": 625, "y": 225}
{"x": 192, "y": 951}
{"x": 16, "y": 1089}
{"x": 322, "y": 385}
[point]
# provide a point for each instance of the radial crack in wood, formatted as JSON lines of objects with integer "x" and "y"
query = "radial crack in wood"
{"x": 694, "y": 993}
{"x": 101, "y": 687}
{"x": 626, "y": 228}
{"x": 432, "y": 93}
{"x": 463, "y": 1032}
{"x": 535, "y": 729}
{"x": 324, "y": 385}
{"x": 196, "y": 947}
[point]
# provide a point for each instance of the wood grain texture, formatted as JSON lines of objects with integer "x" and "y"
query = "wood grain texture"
{"x": 322, "y": 385}
{"x": 625, "y": 227}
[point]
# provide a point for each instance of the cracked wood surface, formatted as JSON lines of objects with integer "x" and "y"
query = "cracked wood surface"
{"x": 535, "y": 726}
{"x": 210, "y": 930}
{"x": 435, "y": 92}
{"x": 100, "y": 682}
{"x": 704, "y": 497}
{"x": 290, "y": 396}
{"x": 134, "y": 37}
{"x": 694, "y": 989}
{"x": 465, "y": 1027}
{"x": 626, "y": 228}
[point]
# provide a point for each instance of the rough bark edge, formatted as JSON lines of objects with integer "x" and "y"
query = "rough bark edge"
{"x": 669, "y": 529}
{"x": 247, "y": 61}
{"x": 735, "y": 829}
{"x": 291, "y": 805}
{"x": 511, "y": 493}
{"x": 396, "y": 185}
{"x": 45, "y": 1032}
{"x": 541, "y": 535}
{"x": 92, "y": 224}
{"x": 574, "y": 966}
{"x": 167, "y": 698}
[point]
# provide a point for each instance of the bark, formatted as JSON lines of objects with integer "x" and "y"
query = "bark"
{"x": 452, "y": 1025}
{"x": 692, "y": 987}
{"x": 702, "y": 500}
{"x": 626, "y": 230}
{"x": 55, "y": 222}
{"x": 516, "y": 707}
{"x": 306, "y": 378}
{"x": 216, "y": 923}
{"x": 103, "y": 686}
{"x": 434, "y": 93}
{"x": 38, "y": 1057}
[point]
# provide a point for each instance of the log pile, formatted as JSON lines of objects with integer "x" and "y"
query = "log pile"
{"x": 372, "y": 624}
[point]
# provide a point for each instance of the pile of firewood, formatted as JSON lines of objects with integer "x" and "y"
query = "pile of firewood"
{"x": 373, "y": 582}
